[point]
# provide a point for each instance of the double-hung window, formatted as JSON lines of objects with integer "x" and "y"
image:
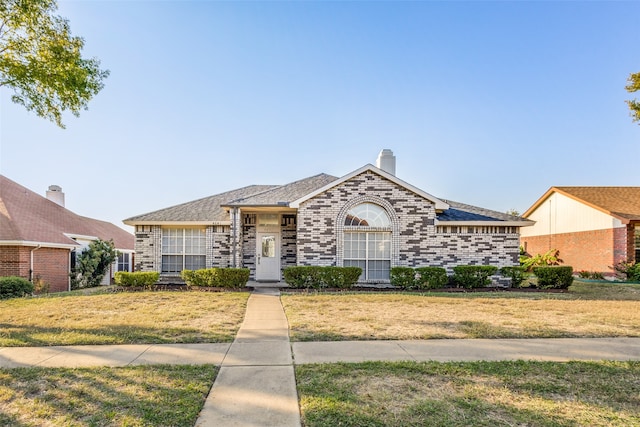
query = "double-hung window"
{"x": 124, "y": 261}
{"x": 367, "y": 241}
{"x": 183, "y": 249}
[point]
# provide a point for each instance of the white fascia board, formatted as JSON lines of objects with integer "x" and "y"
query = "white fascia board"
{"x": 439, "y": 204}
{"x": 177, "y": 223}
{"x": 36, "y": 244}
{"x": 487, "y": 223}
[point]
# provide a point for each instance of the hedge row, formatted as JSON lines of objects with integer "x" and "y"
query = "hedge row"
{"x": 14, "y": 287}
{"x": 419, "y": 278}
{"x": 478, "y": 276}
{"x": 138, "y": 279}
{"x": 231, "y": 278}
{"x": 301, "y": 277}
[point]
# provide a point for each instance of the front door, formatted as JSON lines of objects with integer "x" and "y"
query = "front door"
{"x": 268, "y": 257}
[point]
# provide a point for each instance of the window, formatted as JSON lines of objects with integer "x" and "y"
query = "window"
{"x": 366, "y": 242}
{"x": 183, "y": 249}
{"x": 123, "y": 262}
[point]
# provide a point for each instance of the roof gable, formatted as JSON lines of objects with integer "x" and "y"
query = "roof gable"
{"x": 26, "y": 216}
{"x": 622, "y": 203}
{"x": 439, "y": 204}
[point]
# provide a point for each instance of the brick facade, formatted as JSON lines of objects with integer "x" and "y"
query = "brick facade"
{"x": 596, "y": 250}
{"x": 315, "y": 234}
{"x": 51, "y": 265}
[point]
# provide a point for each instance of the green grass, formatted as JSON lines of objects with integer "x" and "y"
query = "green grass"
{"x": 160, "y": 395}
{"x": 122, "y": 318}
{"x": 470, "y": 394}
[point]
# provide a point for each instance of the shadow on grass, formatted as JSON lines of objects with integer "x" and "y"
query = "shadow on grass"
{"x": 37, "y": 336}
{"x": 145, "y": 395}
{"x": 470, "y": 393}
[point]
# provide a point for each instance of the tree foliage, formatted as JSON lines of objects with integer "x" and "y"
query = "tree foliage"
{"x": 633, "y": 85}
{"x": 41, "y": 61}
{"x": 92, "y": 264}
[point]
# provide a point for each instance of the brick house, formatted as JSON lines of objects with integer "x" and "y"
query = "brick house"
{"x": 39, "y": 237}
{"x": 592, "y": 227}
{"x": 368, "y": 218}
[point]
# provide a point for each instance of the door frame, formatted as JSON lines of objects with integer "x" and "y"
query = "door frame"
{"x": 268, "y": 275}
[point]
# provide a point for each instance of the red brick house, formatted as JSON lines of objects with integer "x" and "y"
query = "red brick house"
{"x": 594, "y": 228}
{"x": 39, "y": 237}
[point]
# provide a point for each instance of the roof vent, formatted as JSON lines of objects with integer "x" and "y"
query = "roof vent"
{"x": 55, "y": 194}
{"x": 387, "y": 161}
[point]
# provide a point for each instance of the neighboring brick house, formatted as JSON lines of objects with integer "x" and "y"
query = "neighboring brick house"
{"x": 594, "y": 228}
{"x": 39, "y": 237}
{"x": 368, "y": 218}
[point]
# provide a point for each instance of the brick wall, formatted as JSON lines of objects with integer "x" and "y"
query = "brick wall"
{"x": 52, "y": 266}
{"x": 148, "y": 245}
{"x": 415, "y": 240}
{"x": 15, "y": 261}
{"x": 595, "y": 250}
{"x": 49, "y": 264}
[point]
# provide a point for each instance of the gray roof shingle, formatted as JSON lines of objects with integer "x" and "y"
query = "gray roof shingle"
{"x": 462, "y": 212}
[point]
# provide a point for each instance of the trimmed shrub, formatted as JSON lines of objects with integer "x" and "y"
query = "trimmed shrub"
{"x": 515, "y": 273}
{"x": 351, "y": 275}
{"x": 473, "y": 276}
{"x": 231, "y": 278}
{"x": 14, "y": 287}
{"x": 554, "y": 277}
{"x": 431, "y": 277}
{"x": 138, "y": 279}
{"x": 403, "y": 277}
{"x": 308, "y": 276}
{"x": 302, "y": 276}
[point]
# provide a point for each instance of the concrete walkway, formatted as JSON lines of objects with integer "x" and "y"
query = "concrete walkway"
{"x": 256, "y": 383}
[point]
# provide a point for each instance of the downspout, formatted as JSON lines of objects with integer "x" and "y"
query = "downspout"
{"x": 31, "y": 262}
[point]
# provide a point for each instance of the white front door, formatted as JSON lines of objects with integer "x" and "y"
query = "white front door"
{"x": 268, "y": 256}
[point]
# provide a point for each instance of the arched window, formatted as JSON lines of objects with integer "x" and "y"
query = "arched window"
{"x": 367, "y": 241}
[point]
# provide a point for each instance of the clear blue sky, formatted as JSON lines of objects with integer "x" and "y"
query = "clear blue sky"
{"x": 485, "y": 103}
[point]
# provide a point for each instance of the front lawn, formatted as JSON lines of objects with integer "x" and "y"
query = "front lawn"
{"x": 159, "y": 395}
{"x": 122, "y": 318}
{"x": 586, "y": 311}
{"x": 470, "y": 394}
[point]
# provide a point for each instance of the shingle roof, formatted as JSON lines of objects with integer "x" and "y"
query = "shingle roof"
{"x": 207, "y": 209}
{"x": 284, "y": 194}
{"x": 26, "y": 216}
{"x": 620, "y": 202}
{"x": 462, "y": 212}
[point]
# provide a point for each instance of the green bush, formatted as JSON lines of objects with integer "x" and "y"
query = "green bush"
{"x": 431, "y": 277}
{"x": 628, "y": 271}
{"x": 591, "y": 275}
{"x": 554, "y": 277}
{"x": 515, "y": 273}
{"x": 403, "y": 277}
{"x": 231, "y": 278}
{"x": 473, "y": 276}
{"x": 14, "y": 287}
{"x": 307, "y": 276}
{"x": 138, "y": 279}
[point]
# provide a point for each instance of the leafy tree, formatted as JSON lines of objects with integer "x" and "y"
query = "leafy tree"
{"x": 92, "y": 264}
{"x": 41, "y": 61}
{"x": 633, "y": 86}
